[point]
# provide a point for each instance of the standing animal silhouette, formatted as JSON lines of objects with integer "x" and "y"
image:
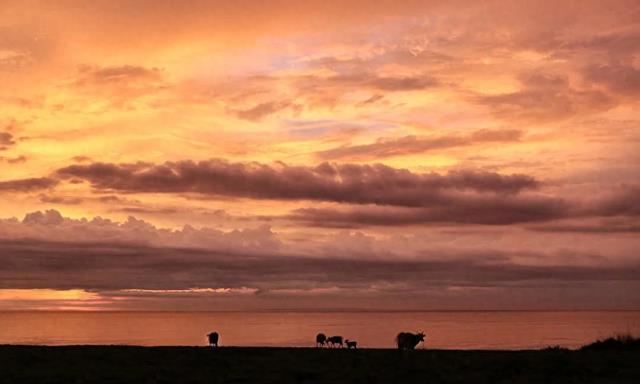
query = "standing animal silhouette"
{"x": 351, "y": 344}
{"x": 213, "y": 339}
{"x": 408, "y": 340}
{"x": 321, "y": 340}
{"x": 335, "y": 340}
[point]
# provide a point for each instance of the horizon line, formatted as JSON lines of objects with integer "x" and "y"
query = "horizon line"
{"x": 330, "y": 310}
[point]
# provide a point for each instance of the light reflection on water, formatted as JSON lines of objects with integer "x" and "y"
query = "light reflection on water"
{"x": 449, "y": 330}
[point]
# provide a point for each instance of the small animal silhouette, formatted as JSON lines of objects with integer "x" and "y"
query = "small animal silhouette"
{"x": 351, "y": 344}
{"x": 321, "y": 339}
{"x": 213, "y": 339}
{"x": 408, "y": 340}
{"x": 335, "y": 340}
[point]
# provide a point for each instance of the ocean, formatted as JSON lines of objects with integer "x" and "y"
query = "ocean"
{"x": 444, "y": 329}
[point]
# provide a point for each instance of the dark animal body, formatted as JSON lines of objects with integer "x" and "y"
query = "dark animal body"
{"x": 335, "y": 340}
{"x": 213, "y": 339}
{"x": 408, "y": 340}
{"x": 351, "y": 344}
{"x": 321, "y": 339}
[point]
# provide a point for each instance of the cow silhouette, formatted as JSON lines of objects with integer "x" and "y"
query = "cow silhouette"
{"x": 351, "y": 344}
{"x": 408, "y": 340}
{"x": 335, "y": 340}
{"x": 213, "y": 339}
{"x": 321, "y": 340}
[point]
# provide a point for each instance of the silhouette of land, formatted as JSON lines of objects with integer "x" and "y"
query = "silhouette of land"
{"x": 130, "y": 364}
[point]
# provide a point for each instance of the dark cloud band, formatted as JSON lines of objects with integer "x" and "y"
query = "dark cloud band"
{"x": 104, "y": 267}
{"x": 343, "y": 183}
{"x": 27, "y": 185}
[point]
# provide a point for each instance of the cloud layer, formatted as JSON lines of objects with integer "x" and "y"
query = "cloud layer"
{"x": 105, "y": 267}
{"x": 6, "y": 140}
{"x": 383, "y": 148}
{"x": 135, "y": 259}
{"x": 497, "y": 138}
{"x": 27, "y": 185}
{"x": 342, "y": 183}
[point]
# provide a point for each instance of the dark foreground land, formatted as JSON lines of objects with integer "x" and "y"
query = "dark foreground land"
{"x": 122, "y": 364}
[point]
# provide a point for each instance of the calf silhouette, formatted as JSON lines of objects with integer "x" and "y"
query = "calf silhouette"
{"x": 213, "y": 339}
{"x": 351, "y": 344}
{"x": 321, "y": 339}
{"x": 408, "y": 340}
{"x": 335, "y": 340}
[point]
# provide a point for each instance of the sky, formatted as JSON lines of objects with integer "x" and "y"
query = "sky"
{"x": 252, "y": 155}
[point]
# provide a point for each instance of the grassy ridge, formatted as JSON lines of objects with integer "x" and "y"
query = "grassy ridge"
{"x": 620, "y": 342}
{"x": 122, "y": 364}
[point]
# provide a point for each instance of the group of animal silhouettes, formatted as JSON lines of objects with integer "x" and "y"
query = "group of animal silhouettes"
{"x": 404, "y": 340}
{"x": 334, "y": 341}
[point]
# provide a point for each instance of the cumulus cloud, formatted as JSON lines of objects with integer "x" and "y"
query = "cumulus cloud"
{"x": 50, "y": 224}
{"x": 134, "y": 259}
{"x": 137, "y": 255}
{"x": 387, "y": 147}
{"x": 371, "y": 195}
{"x": 343, "y": 183}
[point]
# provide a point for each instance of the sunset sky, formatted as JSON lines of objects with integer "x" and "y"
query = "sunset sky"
{"x": 222, "y": 155}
